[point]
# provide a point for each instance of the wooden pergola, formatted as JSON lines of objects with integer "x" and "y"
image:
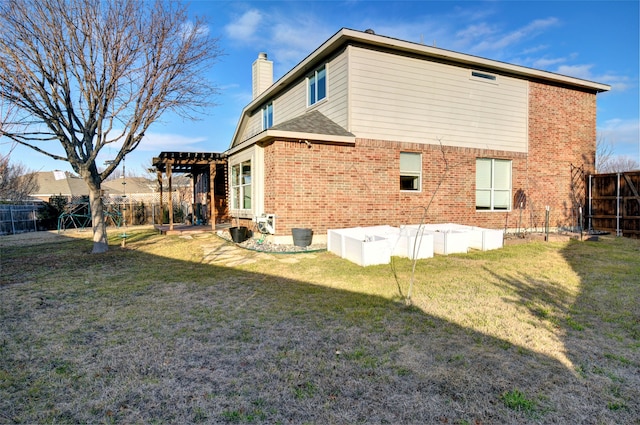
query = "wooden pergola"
{"x": 198, "y": 164}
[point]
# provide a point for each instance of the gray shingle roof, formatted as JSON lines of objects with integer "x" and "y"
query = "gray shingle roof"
{"x": 312, "y": 122}
{"x": 60, "y": 183}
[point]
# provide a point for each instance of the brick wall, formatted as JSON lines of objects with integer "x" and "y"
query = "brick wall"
{"x": 562, "y": 132}
{"x": 332, "y": 186}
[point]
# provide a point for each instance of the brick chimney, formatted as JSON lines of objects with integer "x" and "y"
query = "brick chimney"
{"x": 262, "y": 74}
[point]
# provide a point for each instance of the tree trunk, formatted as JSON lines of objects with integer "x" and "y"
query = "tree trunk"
{"x": 98, "y": 224}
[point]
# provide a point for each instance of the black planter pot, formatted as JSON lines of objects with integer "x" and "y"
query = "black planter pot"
{"x": 302, "y": 237}
{"x": 238, "y": 234}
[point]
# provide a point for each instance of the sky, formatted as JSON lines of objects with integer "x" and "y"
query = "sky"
{"x": 592, "y": 40}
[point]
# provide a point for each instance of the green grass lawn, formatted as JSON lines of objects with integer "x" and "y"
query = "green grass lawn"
{"x": 161, "y": 333}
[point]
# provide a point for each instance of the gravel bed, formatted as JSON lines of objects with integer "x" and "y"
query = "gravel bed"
{"x": 266, "y": 246}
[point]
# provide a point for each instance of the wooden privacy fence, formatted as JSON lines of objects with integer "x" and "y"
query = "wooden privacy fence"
{"x": 613, "y": 203}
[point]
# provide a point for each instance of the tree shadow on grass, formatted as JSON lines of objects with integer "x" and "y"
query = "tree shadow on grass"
{"x": 133, "y": 337}
{"x": 598, "y": 325}
{"x": 602, "y": 335}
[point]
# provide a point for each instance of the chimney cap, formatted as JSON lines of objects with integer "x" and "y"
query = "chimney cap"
{"x": 262, "y": 55}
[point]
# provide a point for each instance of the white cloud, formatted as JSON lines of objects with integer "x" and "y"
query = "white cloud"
{"x": 475, "y": 31}
{"x": 623, "y": 134}
{"x": 618, "y": 83}
{"x": 245, "y": 26}
{"x": 428, "y": 30}
{"x": 291, "y": 41}
{"x": 503, "y": 40}
{"x": 545, "y": 63}
{"x": 577, "y": 71}
{"x": 157, "y": 142}
{"x": 189, "y": 27}
{"x": 535, "y": 49}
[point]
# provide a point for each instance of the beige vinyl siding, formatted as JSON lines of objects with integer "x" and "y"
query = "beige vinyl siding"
{"x": 293, "y": 102}
{"x": 407, "y": 99}
{"x": 253, "y": 125}
{"x": 335, "y": 108}
{"x": 290, "y": 104}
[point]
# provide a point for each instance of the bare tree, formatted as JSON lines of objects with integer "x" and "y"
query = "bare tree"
{"x": 90, "y": 73}
{"x": 604, "y": 153}
{"x": 619, "y": 164}
{"x": 608, "y": 162}
{"x": 16, "y": 181}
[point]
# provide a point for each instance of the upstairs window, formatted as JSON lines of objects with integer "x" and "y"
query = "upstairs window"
{"x": 493, "y": 184}
{"x": 241, "y": 186}
{"x": 410, "y": 171}
{"x": 267, "y": 116}
{"x": 317, "y": 85}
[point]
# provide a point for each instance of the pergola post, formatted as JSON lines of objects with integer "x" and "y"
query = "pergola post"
{"x": 196, "y": 163}
{"x": 159, "y": 174}
{"x": 170, "y": 177}
{"x": 212, "y": 192}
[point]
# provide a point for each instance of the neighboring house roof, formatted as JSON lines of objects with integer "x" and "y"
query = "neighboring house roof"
{"x": 133, "y": 185}
{"x": 371, "y": 40}
{"x": 51, "y": 183}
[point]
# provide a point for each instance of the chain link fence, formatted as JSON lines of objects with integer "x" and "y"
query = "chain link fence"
{"x": 63, "y": 212}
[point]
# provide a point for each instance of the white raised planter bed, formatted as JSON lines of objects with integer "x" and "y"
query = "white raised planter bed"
{"x": 481, "y": 238}
{"x": 446, "y": 239}
{"x": 409, "y": 241}
{"x": 376, "y": 244}
{"x": 335, "y": 239}
{"x": 449, "y": 242}
{"x": 487, "y": 239}
{"x": 361, "y": 245}
{"x": 367, "y": 251}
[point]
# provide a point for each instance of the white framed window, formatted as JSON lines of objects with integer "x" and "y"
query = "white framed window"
{"x": 241, "y": 186}
{"x": 410, "y": 171}
{"x": 267, "y": 116}
{"x": 317, "y": 85}
{"x": 493, "y": 184}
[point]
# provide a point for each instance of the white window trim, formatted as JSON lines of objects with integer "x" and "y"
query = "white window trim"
{"x": 255, "y": 154}
{"x": 413, "y": 173}
{"x": 492, "y": 189}
{"x": 263, "y": 111}
{"x": 239, "y": 209}
{"x": 326, "y": 85}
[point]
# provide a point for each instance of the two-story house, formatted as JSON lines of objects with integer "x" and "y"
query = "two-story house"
{"x": 371, "y": 130}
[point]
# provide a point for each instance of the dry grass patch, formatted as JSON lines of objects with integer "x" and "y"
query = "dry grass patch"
{"x": 533, "y": 333}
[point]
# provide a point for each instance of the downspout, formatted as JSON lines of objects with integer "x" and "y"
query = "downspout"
{"x": 589, "y": 228}
{"x": 618, "y": 231}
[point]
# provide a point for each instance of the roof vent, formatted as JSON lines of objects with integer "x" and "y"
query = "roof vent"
{"x": 369, "y": 31}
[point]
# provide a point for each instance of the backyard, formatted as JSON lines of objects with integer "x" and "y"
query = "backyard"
{"x": 193, "y": 329}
